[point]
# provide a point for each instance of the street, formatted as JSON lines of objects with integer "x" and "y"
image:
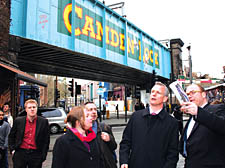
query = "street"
{"x": 117, "y": 131}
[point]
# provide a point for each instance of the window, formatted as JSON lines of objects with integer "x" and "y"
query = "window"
{"x": 54, "y": 113}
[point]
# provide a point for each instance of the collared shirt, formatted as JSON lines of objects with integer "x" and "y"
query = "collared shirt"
{"x": 95, "y": 127}
{"x": 156, "y": 112}
{"x": 204, "y": 105}
{"x": 29, "y": 135}
{"x": 190, "y": 126}
{"x": 161, "y": 114}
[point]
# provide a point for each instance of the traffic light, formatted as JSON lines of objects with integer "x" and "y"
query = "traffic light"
{"x": 57, "y": 94}
{"x": 37, "y": 94}
{"x": 129, "y": 92}
{"x": 137, "y": 92}
{"x": 71, "y": 87}
{"x": 153, "y": 79}
{"x": 78, "y": 89}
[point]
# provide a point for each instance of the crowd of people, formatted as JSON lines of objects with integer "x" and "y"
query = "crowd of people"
{"x": 150, "y": 139}
{"x": 87, "y": 143}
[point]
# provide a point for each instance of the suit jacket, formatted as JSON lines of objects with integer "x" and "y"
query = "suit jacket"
{"x": 42, "y": 137}
{"x": 150, "y": 141}
{"x": 69, "y": 152}
{"x": 206, "y": 144}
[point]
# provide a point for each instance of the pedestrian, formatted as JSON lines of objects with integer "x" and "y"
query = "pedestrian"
{"x": 7, "y": 114}
{"x": 203, "y": 140}
{"x": 105, "y": 137}
{"x": 8, "y": 118}
{"x": 4, "y": 132}
{"x": 216, "y": 102}
{"x": 78, "y": 147}
{"x": 151, "y": 136}
{"x": 142, "y": 106}
{"x": 147, "y": 105}
{"x": 137, "y": 106}
{"x": 29, "y": 138}
{"x": 117, "y": 111}
{"x": 104, "y": 111}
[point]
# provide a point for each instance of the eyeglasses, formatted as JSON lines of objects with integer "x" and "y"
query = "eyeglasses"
{"x": 193, "y": 92}
{"x": 1, "y": 114}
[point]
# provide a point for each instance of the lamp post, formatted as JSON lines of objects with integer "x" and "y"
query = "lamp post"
{"x": 117, "y": 6}
{"x": 190, "y": 62}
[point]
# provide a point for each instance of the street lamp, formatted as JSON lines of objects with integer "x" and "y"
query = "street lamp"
{"x": 190, "y": 62}
{"x": 117, "y": 6}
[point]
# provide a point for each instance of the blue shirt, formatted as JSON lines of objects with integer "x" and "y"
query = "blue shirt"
{"x": 95, "y": 127}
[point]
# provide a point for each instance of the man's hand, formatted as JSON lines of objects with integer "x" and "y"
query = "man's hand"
{"x": 124, "y": 166}
{"x": 189, "y": 108}
{"x": 13, "y": 152}
{"x": 105, "y": 136}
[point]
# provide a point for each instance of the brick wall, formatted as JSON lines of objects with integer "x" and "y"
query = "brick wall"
{"x": 4, "y": 27}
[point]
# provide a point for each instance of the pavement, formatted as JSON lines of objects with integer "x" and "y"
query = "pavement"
{"x": 114, "y": 121}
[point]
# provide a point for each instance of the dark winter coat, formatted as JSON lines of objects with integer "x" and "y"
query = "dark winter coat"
{"x": 150, "y": 141}
{"x": 206, "y": 143}
{"x": 42, "y": 137}
{"x": 70, "y": 152}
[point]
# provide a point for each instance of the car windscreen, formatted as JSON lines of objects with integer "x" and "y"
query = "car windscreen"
{"x": 53, "y": 113}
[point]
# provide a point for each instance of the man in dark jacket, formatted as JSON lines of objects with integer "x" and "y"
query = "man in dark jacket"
{"x": 29, "y": 138}
{"x": 151, "y": 136}
{"x": 104, "y": 137}
{"x": 4, "y": 132}
{"x": 203, "y": 140}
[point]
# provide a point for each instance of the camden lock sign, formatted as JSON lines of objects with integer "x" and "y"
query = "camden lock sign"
{"x": 89, "y": 28}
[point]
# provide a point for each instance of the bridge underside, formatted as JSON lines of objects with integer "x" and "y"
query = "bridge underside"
{"x": 36, "y": 57}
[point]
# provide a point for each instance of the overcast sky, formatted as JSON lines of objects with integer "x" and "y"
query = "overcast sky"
{"x": 199, "y": 22}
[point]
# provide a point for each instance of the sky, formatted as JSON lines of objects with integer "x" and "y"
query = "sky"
{"x": 199, "y": 23}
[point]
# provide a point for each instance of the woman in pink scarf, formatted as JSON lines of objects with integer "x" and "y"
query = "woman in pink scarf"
{"x": 78, "y": 147}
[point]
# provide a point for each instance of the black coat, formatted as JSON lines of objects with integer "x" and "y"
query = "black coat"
{"x": 107, "y": 148}
{"x": 150, "y": 141}
{"x": 70, "y": 152}
{"x": 206, "y": 143}
{"x": 42, "y": 137}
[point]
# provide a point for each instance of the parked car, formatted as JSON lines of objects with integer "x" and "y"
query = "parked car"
{"x": 55, "y": 116}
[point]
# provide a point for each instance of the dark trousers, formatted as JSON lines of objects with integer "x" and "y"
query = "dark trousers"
{"x": 6, "y": 158}
{"x": 2, "y": 158}
{"x": 23, "y": 158}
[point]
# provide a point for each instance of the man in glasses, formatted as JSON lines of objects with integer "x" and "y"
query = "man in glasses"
{"x": 203, "y": 140}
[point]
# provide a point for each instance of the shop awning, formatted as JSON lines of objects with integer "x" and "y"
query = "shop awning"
{"x": 23, "y": 75}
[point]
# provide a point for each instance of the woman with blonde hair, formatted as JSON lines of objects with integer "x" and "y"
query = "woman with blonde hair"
{"x": 78, "y": 147}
